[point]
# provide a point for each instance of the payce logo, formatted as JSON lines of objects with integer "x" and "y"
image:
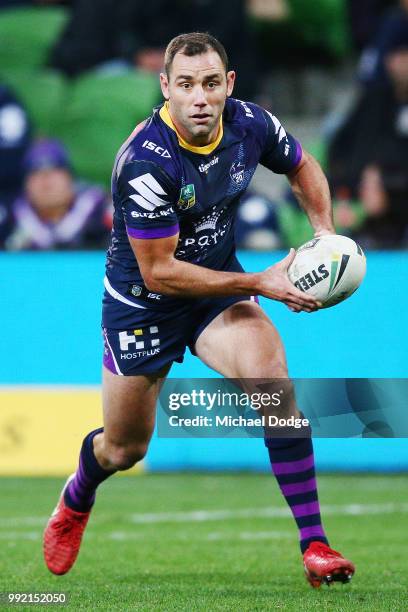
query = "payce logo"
{"x": 207, "y": 231}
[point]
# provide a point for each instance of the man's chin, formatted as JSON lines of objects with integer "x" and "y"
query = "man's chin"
{"x": 201, "y": 132}
{"x": 201, "y": 129}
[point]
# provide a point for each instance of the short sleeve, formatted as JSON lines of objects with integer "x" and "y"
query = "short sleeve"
{"x": 147, "y": 196}
{"x": 281, "y": 151}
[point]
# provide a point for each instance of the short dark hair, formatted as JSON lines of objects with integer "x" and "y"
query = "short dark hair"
{"x": 194, "y": 43}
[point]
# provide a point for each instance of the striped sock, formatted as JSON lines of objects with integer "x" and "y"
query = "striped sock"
{"x": 293, "y": 465}
{"x": 80, "y": 493}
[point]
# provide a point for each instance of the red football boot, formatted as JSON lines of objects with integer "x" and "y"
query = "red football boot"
{"x": 63, "y": 535}
{"x": 324, "y": 565}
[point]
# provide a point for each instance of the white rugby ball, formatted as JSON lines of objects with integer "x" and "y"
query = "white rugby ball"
{"x": 329, "y": 268}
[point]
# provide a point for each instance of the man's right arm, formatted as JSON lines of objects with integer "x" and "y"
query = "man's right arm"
{"x": 163, "y": 273}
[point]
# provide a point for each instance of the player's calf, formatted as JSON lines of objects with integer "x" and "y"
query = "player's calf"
{"x": 79, "y": 494}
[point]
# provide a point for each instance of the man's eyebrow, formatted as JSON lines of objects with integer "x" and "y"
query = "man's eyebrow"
{"x": 188, "y": 77}
{"x": 215, "y": 75}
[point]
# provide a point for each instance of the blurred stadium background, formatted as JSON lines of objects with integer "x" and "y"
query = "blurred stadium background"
{"x": 305, "y": 59}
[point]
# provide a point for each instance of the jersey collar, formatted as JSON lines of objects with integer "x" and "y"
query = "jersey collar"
{"x": 206, "y": 149}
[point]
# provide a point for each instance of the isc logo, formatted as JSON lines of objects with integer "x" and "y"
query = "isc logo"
{"x": 152, "y": 146}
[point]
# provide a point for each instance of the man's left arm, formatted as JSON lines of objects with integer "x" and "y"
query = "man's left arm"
{"x": 283, "y": 154}
{"x": 311, "y": 189}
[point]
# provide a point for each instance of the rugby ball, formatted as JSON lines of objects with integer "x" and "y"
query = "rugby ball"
{"x": 329, "y": 268}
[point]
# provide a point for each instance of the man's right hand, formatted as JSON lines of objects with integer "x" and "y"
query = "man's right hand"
{"x": 275, "y": 285}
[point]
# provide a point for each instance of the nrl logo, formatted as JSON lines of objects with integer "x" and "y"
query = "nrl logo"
{"x": 237, "y": 172}
{"x": 187, "y": 197}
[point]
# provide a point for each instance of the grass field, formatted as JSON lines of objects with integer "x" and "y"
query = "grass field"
{"x": 210, "y": 542}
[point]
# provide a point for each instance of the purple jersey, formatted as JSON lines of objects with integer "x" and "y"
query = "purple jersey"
{"x": 163, "y": 186}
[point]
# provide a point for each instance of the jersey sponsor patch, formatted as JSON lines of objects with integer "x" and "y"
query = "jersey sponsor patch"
{"x": 152, "y": 146}
{"x": 206, "y": 167}
{"x": 187, "y": 197}
{"x": 141, "y": 338}
{"x": 152, "y": 215}
{"x": 148, "y": 192}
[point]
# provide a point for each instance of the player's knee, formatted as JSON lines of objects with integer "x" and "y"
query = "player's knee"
{"x": 125, "y": 457}
{"x": 280, "y": 369}
{"x": 272, "y": 369}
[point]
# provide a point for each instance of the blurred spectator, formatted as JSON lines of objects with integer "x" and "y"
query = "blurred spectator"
{"x": 15, "y": 134}
{"x": 90, "y": 38}
{"x": 134, "y": 33}
{"x": 269, "y": 10}
{"x": 392, "y": 34}
{"x": 368, "y": 157}
{"x": 365, "y": 19}
{"x": 55, "y": 212}
{"x": 6, "y": 219}
{"x": 382, "y": 227}
{"x": 257, "y": 224}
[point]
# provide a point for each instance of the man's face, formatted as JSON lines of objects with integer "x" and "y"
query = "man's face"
{"x": 397, "y": 66}
{"x": 49, "y": 189}
{"x": 197, "y": 88}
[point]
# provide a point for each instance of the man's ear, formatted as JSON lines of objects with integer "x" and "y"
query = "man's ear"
{"x": 164, "y": 84}
{"x": 230, "y": 81}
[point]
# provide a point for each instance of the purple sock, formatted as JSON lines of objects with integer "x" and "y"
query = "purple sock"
{"x": 80, "y": 493}
{"x": 293, "y": 465}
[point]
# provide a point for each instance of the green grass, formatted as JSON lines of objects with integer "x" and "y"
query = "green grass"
{"x": 236, "y": 562}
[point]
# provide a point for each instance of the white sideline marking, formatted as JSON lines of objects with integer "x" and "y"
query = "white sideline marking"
{"x": 198, "y": 516}
{"x": 123, "y": 536}
{"x": 126, "y": 536}
{"x": 249, "y": 535}
{"x": 24, "y": 521}
{"x": 20, "y": 535}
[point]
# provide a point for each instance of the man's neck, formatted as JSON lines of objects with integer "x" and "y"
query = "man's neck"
{"x": 209, "y": 142}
